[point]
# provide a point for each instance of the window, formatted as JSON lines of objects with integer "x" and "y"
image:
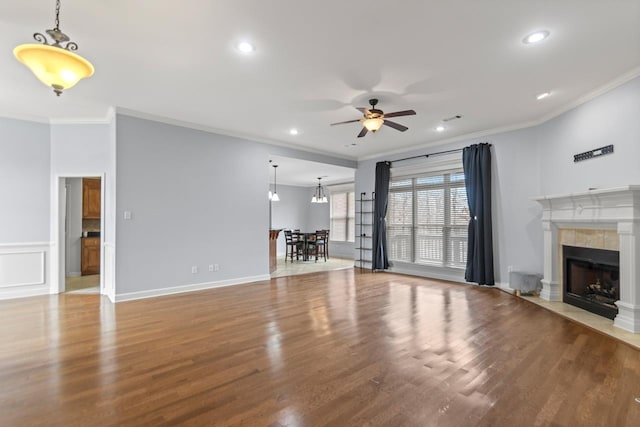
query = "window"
{"x": 342, "y": 216}
{"x": 427, "y": 219}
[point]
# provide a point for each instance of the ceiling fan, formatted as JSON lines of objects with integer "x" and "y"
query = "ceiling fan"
{"x": 374, "y": 119}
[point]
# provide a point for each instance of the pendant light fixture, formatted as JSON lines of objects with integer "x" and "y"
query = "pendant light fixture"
{"x": 54, "y": 64}
{"x": 274, "y": 197}
{"x": 319, "y": 196}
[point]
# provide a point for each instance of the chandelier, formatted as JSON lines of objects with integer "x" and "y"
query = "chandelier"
{"x": 319, "y": 196}
{"x": 54, "y": 64}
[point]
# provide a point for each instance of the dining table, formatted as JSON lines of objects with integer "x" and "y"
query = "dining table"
{"x": 305, "y": 238}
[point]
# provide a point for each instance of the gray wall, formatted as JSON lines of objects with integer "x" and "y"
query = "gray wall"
{"x": 539, "y": 161}
{"x": 24, "y": 181}
{"x": 196, "y": 199}
{"x": 291, "y": 212}
{"x": 517, "y": 229}
{"x": 612, "y": 118}
{"x": 74, "y": 225}
{"x": 86, "y": 150}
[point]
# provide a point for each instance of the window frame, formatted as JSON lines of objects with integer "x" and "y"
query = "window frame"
{"x": 446, "y": 170}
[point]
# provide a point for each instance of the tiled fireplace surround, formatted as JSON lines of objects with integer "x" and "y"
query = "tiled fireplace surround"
{"x": 599, "y": 219}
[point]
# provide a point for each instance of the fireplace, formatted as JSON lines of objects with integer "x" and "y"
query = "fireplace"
{"x": 591, "y": 279}
{"x": 616, "y": 209}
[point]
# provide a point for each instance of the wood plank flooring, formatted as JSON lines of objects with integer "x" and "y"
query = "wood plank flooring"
{"x": 339, "y": 348}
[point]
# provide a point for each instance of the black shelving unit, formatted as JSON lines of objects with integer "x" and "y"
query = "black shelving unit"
{"x": 364, "y": 230}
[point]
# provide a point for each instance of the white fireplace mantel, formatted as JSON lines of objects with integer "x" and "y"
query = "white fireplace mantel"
{"x": 615, "y": 208}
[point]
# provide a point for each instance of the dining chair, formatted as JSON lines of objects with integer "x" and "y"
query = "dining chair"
{"x": 318, "y": 246}
{"x": 294, "y": 245}
{"x": 326, "y": 243}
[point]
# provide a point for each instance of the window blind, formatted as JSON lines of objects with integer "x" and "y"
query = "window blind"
{"x": 427, "y": 219}
{"x": 342, "y": 216}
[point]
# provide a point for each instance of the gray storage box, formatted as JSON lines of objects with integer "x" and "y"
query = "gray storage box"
{"x": 525, "y": 283}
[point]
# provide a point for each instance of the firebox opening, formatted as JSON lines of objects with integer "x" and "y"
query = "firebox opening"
{"x": 592, "y": 279}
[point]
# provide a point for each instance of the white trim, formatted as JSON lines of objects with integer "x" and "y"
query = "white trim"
{"x": 74, "y": 274}
{"x": 234, "y": 134}
{"x": 505, "y": 287}
{"x": 440, "y": 273}
{"x": 41, "y": 280}
{"x": 152, "y": 293}
{"x": 58, "y": 243}
{"x": 613, "y": 208}
{"x": 25, "y": 118}
{"x": 601, "y": 90}
{"x": 25, "y": 245}
{"x": 109, "y": 270}
{"x": 28, "y": 286}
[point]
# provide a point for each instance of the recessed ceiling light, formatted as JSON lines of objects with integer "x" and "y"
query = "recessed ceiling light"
{"x": 246, "y": 47}
{"x": 543, "y": 95}
{"x": 293, "y": 131}
{"x": 440, "y": 128}
{"x": 536, "y": 37}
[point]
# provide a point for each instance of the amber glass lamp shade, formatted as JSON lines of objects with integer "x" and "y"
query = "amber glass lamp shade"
{"x": 54, "y": 66}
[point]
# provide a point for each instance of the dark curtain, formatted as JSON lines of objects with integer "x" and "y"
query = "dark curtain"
{"x": 476, "y": 160}
{"x": 380, "y": 261}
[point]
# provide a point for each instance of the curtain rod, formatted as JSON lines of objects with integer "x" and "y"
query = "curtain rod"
{"x": 439, "y": 153}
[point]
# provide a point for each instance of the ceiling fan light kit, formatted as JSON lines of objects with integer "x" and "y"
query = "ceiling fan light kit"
{"x": 54, "y": 64}
{"x": 374, "y": 119}
{"x": 373, "y": 125}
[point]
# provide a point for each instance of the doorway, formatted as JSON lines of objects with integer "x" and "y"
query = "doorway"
{"x": 79, "y": 234}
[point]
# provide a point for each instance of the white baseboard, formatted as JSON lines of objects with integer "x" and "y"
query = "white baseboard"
{"x": 74, "y": 274}
{"x": 188, "y": 288}
{"x": 505, "y": 287}
{"x": 440, "y": 273}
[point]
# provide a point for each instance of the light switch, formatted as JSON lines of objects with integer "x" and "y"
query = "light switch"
{"x": 127, "y": 214}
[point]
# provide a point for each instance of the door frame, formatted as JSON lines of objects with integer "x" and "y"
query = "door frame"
{"x": 58, "y": 239}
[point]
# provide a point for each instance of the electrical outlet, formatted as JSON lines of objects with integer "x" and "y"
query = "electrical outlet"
{"x": 194, "y": 269}
{"x": 216, "y": 267}
{"x": 210, "y": 267}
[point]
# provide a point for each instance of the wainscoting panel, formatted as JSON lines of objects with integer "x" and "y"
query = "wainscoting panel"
{"x": 24, "y": 269}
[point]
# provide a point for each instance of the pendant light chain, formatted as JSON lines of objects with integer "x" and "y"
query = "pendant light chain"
{"x": 57, "y": 15}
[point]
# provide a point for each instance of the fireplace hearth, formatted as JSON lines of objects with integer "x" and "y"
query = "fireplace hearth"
{"x": 591, "y": 279}
{"x": 612, "y": 209}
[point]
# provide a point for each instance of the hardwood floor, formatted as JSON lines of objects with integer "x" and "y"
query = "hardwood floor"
{"x": 336, "y": 348}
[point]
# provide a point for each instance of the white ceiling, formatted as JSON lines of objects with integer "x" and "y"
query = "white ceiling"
{"x": 316, "y": 61}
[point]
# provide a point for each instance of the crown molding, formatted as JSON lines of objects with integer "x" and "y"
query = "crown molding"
{"x": 601, "y": 90}
{"x": 210, "y": 129}
{"x": 25, "y": 117}
{"x": 108, "y": 118}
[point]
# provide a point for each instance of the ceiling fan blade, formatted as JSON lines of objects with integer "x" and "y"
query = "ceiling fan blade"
{"x": 348, "y": 121}
{"x": 401, "y": 113}
{"x": 363, "y": 110}
{"x": 396, "y": 126}
{"x": 363, "y": 132}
